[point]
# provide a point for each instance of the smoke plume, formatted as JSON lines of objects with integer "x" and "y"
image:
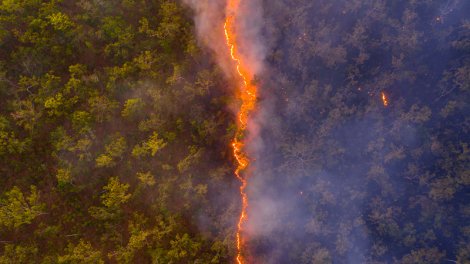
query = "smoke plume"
{"x": 209, "y": 16}
{"x": 337, "y": 176}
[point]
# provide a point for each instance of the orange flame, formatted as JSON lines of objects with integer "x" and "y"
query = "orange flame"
{"x": 247, "y": 95}
{"x": 384, "y": 99}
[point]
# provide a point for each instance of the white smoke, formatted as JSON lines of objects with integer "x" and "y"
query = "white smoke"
{"x": 250, "y": 37}
{"x": 249, "y": 23}
{"x": 209, "y": 17}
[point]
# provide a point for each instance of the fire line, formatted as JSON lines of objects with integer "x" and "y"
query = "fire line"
{"x": 247, "y": 95}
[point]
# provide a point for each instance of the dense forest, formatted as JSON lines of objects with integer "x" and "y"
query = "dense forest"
{"x": 113, "y": 135}
{"x": 116, "y": 122}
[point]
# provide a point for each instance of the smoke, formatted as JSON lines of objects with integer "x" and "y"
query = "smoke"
{"x": 209, "y": 20}
{"x": 209, "y": 17}
{"x": 252, "y": 44}
{"x": 334, "y": 172}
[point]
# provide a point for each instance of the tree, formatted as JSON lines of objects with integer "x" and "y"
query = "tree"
{"x": 19, "y": 254}
{"x": 146, "y": 178}
{"x": 149, "y": 147}
{"x": 183, "y": 249}
{"x": 17, "y": 210}
{"x": 115, "y": 193}
{"x": 132, "y": 107}
{"x": 114, "y": 151}
{"x": 114, "y": 196}
{"x": 75, "y": 79}
{"x": 81, "y": 253}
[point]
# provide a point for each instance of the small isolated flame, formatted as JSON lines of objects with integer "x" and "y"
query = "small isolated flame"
{"x": 384, "y": 99}
{"x": 247, "y": 95}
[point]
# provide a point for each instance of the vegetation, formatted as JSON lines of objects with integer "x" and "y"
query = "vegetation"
{"x": 112, "y": 135}
{"x": 115, "y": 130}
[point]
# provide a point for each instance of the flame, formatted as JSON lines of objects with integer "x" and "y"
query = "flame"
{"x": 384, "y": 99}
{"x": 247, "y": 95}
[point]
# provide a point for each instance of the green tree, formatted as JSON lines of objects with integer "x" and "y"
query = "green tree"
{"x": 183, "y": 249}
{"x": 132, "y": 107}
{"x": 115, "y": 193}
{"x": 149, "y": 147}
{"x": 19, "y": 254}
{"x": 81, "y": 253}
{"x": 16, "y": 209}
{"x": 114, "y": 151}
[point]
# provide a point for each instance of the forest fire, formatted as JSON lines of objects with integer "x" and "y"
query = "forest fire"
{"x": 384, "y": 99}
{"x": 247, "y": 95}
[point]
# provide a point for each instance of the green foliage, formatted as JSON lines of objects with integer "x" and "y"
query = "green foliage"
{"x": 190, "y": 160}
{"x": 81, "y": 121}
{"x": 60, "y": 21}
{"x": 81, "y": 253}
{"x": 87, "y": 85}
{"x": 138, "y": 240}
{"x": 26, "y": 115}
{"x": 113, "y": 27}
{"x": 55, "y": 105}
{"x": 104, "y": 161}
{"x": 16, "y": 209}
{"x": 102, "y": 108}
{"x": 171, "y": 25}
{"x": 64, "y": 176}
{"x": 114, "y": 151}
{"x": 146, "y": 178}
{"x": 149, "y": 147}
{"x": 132, "y": 107}
{"x": 10, "y": 144}
{"x": 18, "y": 254}
{"x": 183, "y": 249}
{"x": 115, "y": 193}
{"x": 220, "y": 252}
